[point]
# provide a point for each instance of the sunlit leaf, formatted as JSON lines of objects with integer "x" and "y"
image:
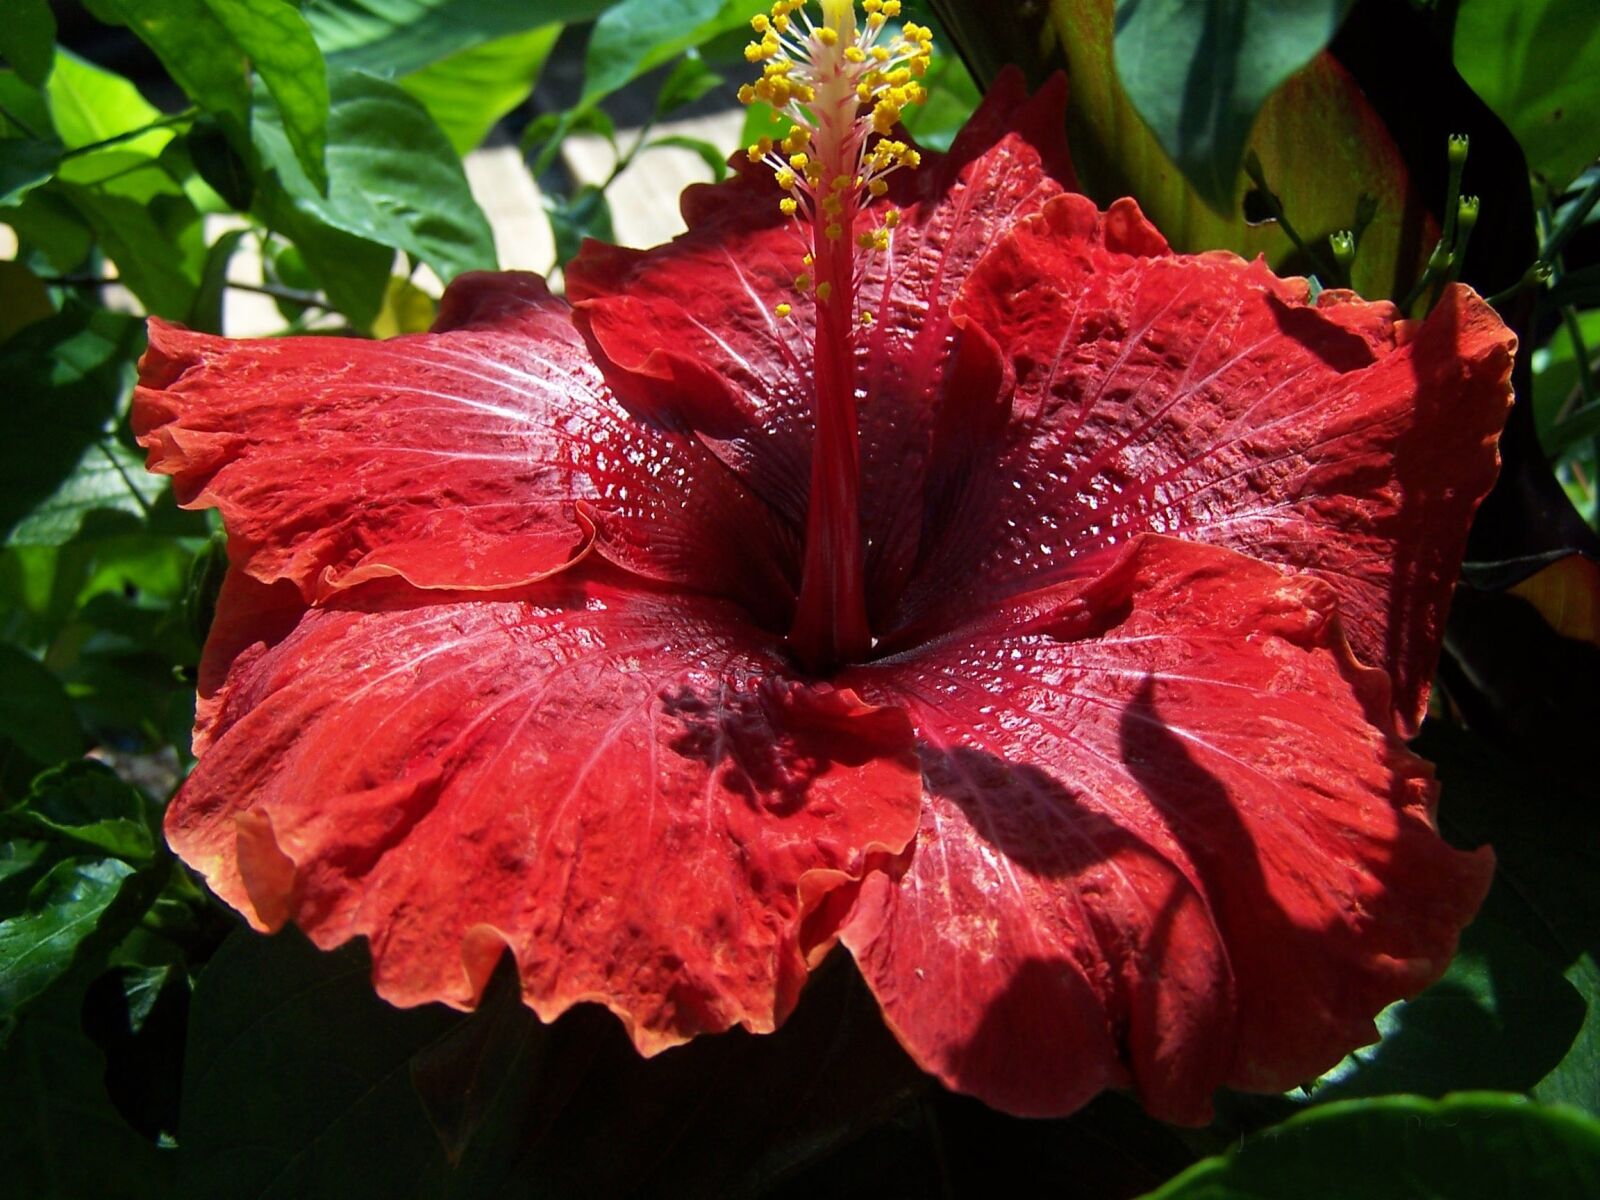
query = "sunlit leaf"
{"x": 397, "y": 37}
{"x": 1535, "y": 63}
{"x": 468, "y": 92}
{"x": 89, "y": 104}
{"x": 1198, "y": 72}
{"x": 635, "y": 35}
{"x": 393, "y": 178}
{"x": 1321, "y": 147}
{"x": 37, "y": 944}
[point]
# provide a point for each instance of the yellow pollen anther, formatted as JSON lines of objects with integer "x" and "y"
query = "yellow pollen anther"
{"x": 866, "y": 316}
{"x": 783, "y": 310}
{"x": 841, "y": 183}
{"x": 798, "y": 161}
{"x": 788, "y": 206}
{"x": 855, "y": 54}
{"x": 824, "y": 290}
{"x": 878, "y": 187}
{"x": 809, "y": 259}
{"x": 785, "y": 178}
{"x": 760, "y": 23}
{"x": 834, "y": 231}
{"x": 891, "y": 218}
{"x": 802, "y": 282}
{"x": 827, "y": 35}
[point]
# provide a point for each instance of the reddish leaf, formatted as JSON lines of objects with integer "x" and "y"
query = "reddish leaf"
{"x": 450, "y": 775}
{"x": 1165, "y": 843}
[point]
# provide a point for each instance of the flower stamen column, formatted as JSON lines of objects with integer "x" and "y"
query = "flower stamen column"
{"x": 841, "y": 90}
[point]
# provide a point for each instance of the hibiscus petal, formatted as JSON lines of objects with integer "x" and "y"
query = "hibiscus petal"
{"x": 686, "y": 332}
{"x": 621, "y": 786}
{"x": 1204, "y": 397}
{"x": 480, "y": 456}
{"x": 1165, "y": 843}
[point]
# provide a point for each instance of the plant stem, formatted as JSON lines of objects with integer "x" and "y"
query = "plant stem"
{"x": 177, "y": 118}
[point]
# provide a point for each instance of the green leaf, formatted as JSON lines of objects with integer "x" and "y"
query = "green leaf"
{"x": 25, "y": 163}
{"x": 37, "y": 945}
{"x": 586, "y": 215}
{"x": 70, "y": 374}
{"x": 35, "y": 713}
{"x": 195, "y": 48}
{"x": 278, "y": 43}
{"x": 47, "y": 225}
{"x": 397, "y": 37}
{"x": 89, "y": 104}
{"x": 393, "y": 178}
{"x": 154, "y": 238}
{"x": 467, "y": 93}
{"x": 1198, "y": 72}
{"x": 952, "y": 97}
{"x": 712, "y": 156}
{"x": 326, "y": 1067}
{"x": 1320, "y": 143}
{"x": 60, "y": 1136}
{"x": 634, "y": 36}
{"x": 1476, "y": 1145}
{"x": 1535, "y": 63}
{"x": 686, "y": 83}
{"x": 1519, "y": 1007}
{"x": 86, "y": 804}
{"x": 1556, "y": 391}
{"x": 206, "y": 312}
{"x": 28, "y": 38}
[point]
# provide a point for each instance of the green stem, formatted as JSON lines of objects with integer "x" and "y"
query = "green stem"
{"x": 1570, "y": 223}
{"x": 1325, "y": 269}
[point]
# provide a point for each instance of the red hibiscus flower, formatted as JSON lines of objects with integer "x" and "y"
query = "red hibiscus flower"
{"x": 1032, "y": 610}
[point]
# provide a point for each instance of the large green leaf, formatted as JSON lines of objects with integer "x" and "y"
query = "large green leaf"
{"x": 1520, "y": 1006}
{"x": 89, "y": 104}
{"x": 37, "y": 945}
{"x": 1198, "y": 72}
{"x": 154, "y": 238}
{"x": 35, "y": 713}
{"x": 28, "y": 38}
{"x": 275, "y": 38}
{"x": 1320, "y": 144}
{"x": 326, "y": 1068}
{"x": 393, "y": 178}
{"x": 1476, "y": 1145}
{"x": 468, "y": 92}
{"x": 69, "y": 376}
{"x": 397, "y": 37}
{"x": 1535, "y": 63}
{"x": 60, "y": 1136}
{"x": 211, "y": 48}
